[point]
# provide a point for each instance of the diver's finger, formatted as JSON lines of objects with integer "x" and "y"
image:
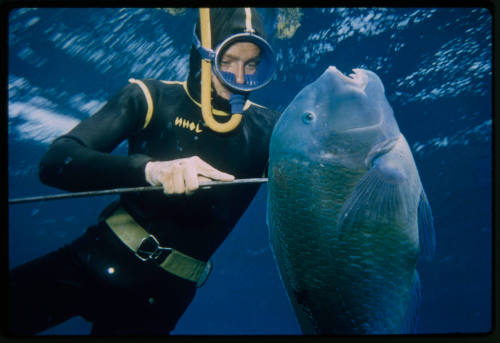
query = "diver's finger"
{"x": 178, "y": 179}
{"x": 203, "y": 179}
{"x": 190, "y": 180}
{"x": 207, "y": 170}
{"x": 200, "y": 164}
{"x": 167, "y": 183}
{"x": 215, "y": 174}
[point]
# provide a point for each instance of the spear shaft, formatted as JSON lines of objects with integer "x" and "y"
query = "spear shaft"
{"x": 115, "y": 191}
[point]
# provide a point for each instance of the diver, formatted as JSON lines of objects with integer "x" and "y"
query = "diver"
{"x": 136, "y": 271}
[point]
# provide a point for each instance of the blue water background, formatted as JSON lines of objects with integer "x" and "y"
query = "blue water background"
{"x": 435, "y": 63}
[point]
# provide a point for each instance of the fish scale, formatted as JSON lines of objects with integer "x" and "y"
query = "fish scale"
{"x": 316, "y": 270}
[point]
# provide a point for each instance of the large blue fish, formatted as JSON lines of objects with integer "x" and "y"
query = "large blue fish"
{"x": 347, "y": 213}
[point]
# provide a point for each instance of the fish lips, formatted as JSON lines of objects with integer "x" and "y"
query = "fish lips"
{"x": 360, "y": 80}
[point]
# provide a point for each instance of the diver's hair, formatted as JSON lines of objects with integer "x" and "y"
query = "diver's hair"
{"x": 229, "y": 21}
{"x": 225, "y": 22}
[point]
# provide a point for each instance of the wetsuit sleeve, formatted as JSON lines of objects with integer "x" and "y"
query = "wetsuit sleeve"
{"x": 81, "y": 159}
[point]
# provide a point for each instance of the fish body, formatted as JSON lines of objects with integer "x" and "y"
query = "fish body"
{"x": 347, "y": 213}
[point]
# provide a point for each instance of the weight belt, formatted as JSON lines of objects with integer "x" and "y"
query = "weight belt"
{"x": 147, "y": 248}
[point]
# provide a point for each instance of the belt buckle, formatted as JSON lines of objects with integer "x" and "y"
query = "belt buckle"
{"x": 150, "y": 249}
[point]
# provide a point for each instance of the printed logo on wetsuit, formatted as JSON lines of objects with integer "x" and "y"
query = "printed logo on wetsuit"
{"x": 187, "y": 124}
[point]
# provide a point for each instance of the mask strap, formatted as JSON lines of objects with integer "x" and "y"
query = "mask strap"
{"x": 206, "y": 80}
{"x": 206, "y": 54}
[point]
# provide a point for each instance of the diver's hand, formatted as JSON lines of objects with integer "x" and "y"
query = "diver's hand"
{"x": 182, "y": 175}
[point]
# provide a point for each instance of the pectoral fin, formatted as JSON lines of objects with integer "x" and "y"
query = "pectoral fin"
{"x": 379, "y": 195}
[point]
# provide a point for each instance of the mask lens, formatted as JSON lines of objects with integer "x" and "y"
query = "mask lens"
{"x": 244, "y": 68}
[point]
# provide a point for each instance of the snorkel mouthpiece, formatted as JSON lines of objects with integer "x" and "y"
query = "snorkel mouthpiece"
{"x": 237, "y": 102}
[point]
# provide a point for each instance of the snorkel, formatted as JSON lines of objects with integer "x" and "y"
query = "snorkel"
{"x": 210, "y": 62}
{"x": 206, "y": 81}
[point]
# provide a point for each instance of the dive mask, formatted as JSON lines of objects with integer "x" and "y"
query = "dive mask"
{"x": 265, "y": 68}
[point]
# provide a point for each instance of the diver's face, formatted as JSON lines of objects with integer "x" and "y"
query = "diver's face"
{"x": 240, "y": 58}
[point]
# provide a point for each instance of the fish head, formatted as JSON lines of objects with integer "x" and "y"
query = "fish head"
{"x": 336, "y": 118}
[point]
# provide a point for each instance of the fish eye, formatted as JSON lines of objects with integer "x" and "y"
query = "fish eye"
{"x": 308, "y": 117}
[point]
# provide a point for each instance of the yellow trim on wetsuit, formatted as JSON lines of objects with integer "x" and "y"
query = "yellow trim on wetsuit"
{"x": 149, "y": 100}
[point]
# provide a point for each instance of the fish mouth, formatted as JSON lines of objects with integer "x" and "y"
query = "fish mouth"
{"x": 358, "y": 78}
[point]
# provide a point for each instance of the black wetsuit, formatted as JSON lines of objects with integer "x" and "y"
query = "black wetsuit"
{"x": 135, "y": 296}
